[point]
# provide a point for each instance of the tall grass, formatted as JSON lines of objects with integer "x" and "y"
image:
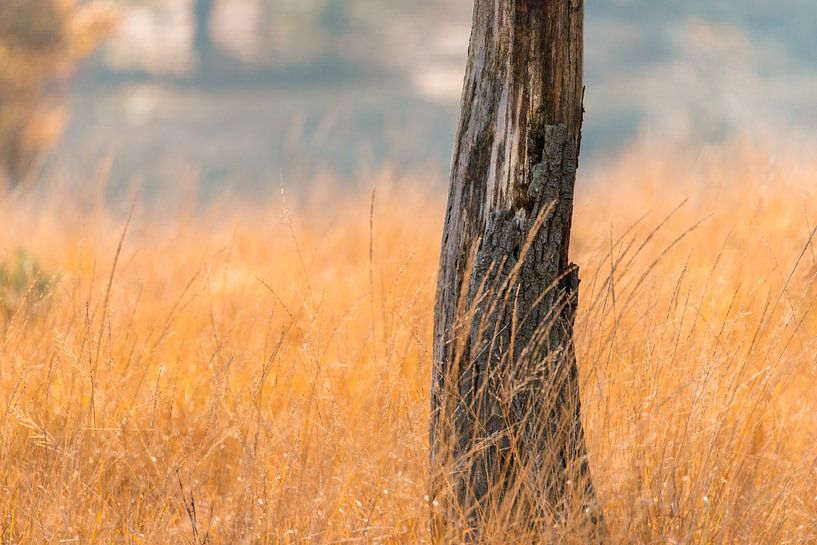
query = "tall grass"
{"x": 259, "y": 373}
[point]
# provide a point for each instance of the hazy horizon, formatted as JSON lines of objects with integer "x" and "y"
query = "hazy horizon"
{"x": 292, "y": 89}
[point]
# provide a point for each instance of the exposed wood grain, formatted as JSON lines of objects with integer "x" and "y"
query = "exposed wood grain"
{"x": 506, "y": 434}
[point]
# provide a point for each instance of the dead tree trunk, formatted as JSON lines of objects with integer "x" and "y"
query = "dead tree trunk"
{"x": 507, "y": 444}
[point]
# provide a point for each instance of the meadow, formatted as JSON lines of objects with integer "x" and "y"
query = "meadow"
{"x": 258, "y": 372}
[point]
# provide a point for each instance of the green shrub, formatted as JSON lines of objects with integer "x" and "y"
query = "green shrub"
{"x": 22, "y": 282}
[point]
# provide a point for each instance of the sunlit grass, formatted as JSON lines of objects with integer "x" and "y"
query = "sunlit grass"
{"x": 269, "y": 364}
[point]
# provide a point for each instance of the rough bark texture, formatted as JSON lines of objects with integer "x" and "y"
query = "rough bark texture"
{"x": 507, "y": 445}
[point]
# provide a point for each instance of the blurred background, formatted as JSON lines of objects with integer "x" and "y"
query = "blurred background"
{"x": 239, "y": 94}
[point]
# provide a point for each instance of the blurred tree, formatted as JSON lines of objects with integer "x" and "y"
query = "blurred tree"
{"x": 203, "y": 39}
{"x": 40, "y": 43}
{"x": 333, "y": 18}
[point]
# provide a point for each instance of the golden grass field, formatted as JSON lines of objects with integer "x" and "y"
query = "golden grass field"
{"x": 269, "y": 363}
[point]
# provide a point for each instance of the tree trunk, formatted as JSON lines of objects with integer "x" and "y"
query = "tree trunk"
{"x": 507, "y": 444}
{"x": 202, "y": 37}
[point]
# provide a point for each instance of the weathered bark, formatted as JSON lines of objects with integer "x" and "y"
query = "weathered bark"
{"x": 507, "y": 445}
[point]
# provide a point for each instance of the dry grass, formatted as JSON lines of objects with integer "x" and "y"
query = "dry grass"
{"x": 259, "y": 373}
